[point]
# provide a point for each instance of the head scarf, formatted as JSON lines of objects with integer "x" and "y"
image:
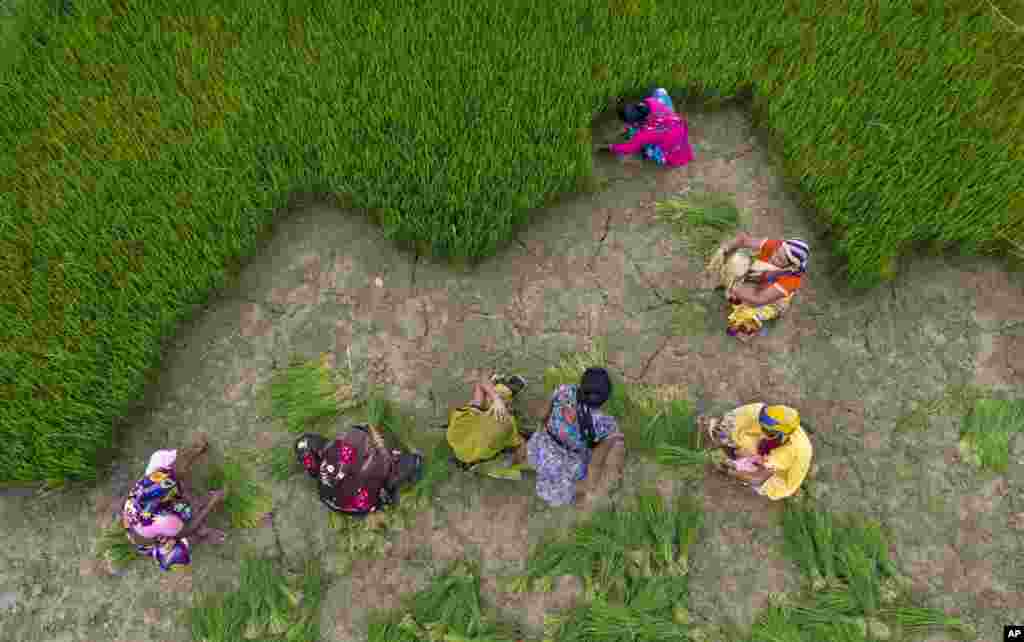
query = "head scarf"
{"x": 779, "y": 419}
{"x": 797, "y": 252}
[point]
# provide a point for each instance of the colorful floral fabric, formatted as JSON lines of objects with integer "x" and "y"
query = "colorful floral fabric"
{"x": 155, "y": 495}
{"x": 560, "y": 465}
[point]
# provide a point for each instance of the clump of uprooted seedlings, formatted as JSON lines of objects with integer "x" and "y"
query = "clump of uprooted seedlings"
{"x": 269, "y": 604}
{"x": 854, "y": 592}
{"x": 634, "y": 565}
{"x": 450, "y": 609}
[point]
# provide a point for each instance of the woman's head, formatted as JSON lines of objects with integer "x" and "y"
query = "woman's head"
{"x": 634, "y": 113}
{"x": 778, "y": 422}
{"x": 309, "y": 450}
{"x": 793, "y": 253}
{"x": 595, "y": 387}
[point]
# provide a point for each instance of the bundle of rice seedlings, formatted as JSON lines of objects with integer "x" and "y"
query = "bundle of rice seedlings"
{"x": 917, "y": 620}
{"x": 280, "y": 462}
{"x": 822, "y": 528}
{"x": 774, "y": 625}
{"x": 449, "y": 609}
{"x": 689, "y": 519}
{"x": 114, "y": 545}
{"x": 987, "y": 432}
{"x": 608, "y": 621}
{"x": 705, "y": 219}
{"x": 671, "y": 424}
{"x": 683, "y": 457}
{"x": 860, "y": 572}
{"x": 245, "y": 501}
{"x": 571, "y": 366}
{"x": 305, "y": 603}
{"x": 798, "y": 539}
{"x": 259, "y": 608}
{"x": 305, "y": 393}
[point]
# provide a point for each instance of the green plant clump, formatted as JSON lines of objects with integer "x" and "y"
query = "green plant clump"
{"x": 269, "y": 606}
{"x": 988, "y": 430}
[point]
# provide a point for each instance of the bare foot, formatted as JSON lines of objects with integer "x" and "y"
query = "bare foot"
{"x": 215, "y": 497}
{"x": 213, "y": 535}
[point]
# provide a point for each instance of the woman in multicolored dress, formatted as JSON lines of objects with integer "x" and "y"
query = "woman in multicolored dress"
{"x": 765, "y": 446}
{"x": 161, "y": 515}
{"x": 656, "y": 130}
{"x": 759, "y": 287}
{"x": 358, "y": 473}
{"x": 576, "y": 439}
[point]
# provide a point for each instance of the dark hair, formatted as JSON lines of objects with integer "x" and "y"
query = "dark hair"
{"x": 633, "y": 113}
{"x": 309, "y": 451}
{"x": 595, "y": 389}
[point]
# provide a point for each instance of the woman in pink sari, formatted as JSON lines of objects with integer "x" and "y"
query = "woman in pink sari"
{"x": 656, "y": 130}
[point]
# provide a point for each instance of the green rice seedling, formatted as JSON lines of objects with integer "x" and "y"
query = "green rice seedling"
{"x": 860, "y": 572}
{"x": 449, "y": 609}
{"x": 661, "y": 528}
{"x": 705, "y": 219}
{"x": 916, "y": 620}
{"x": 610, "y": 621}
{"x": 307, "y": 393}
{"x": 245, "y": 501}
{"x": 773, "y": 625}
{"x": 988, "y": 430}
{"x": 659, "y": 594}
{"x": 260, "y": 607}
{"x": 682, "y": 457}
{"x": 671, "y": 425}
{"x": 798, "y": 538}
{"x": 305, "y": 601}
{"x": 689, "y": 517}
{"x": 824, "y": 544}
{"x": 114, "y": 545}
{"x": 281, "y": 463}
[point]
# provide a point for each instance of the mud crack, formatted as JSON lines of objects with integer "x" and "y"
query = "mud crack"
{"x": 650, "y": 360}
{"x": 601, "y": 241}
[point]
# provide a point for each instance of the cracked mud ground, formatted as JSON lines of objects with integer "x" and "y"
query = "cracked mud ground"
{"x": 597, "y": 266}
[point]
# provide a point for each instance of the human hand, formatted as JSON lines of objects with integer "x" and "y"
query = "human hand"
{"x": 499, "y": 410}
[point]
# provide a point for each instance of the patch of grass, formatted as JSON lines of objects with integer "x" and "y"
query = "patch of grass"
{"x": 268, "y": 606}
{"x": 618, "y": 554}
{"x": 449, "y": 609}
{"x": 703, "y": 219}
{"x": 956, "y": 401}
{"x": 245, "y": 501}
{"x": 307, "y": 393}
{"x": 988, "y": 430}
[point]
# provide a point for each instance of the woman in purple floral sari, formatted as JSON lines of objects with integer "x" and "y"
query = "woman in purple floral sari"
{"x": 576, "y": 438}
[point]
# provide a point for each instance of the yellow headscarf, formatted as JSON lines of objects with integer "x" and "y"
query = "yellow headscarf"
{"x": 781, "y": 418}
{"x": 504, "y": 391}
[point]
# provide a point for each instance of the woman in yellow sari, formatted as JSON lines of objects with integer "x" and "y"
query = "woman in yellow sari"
{"x": 759, "y": 287}
{"x": 765, "y": 445}
{"x": 484, "y": 429}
